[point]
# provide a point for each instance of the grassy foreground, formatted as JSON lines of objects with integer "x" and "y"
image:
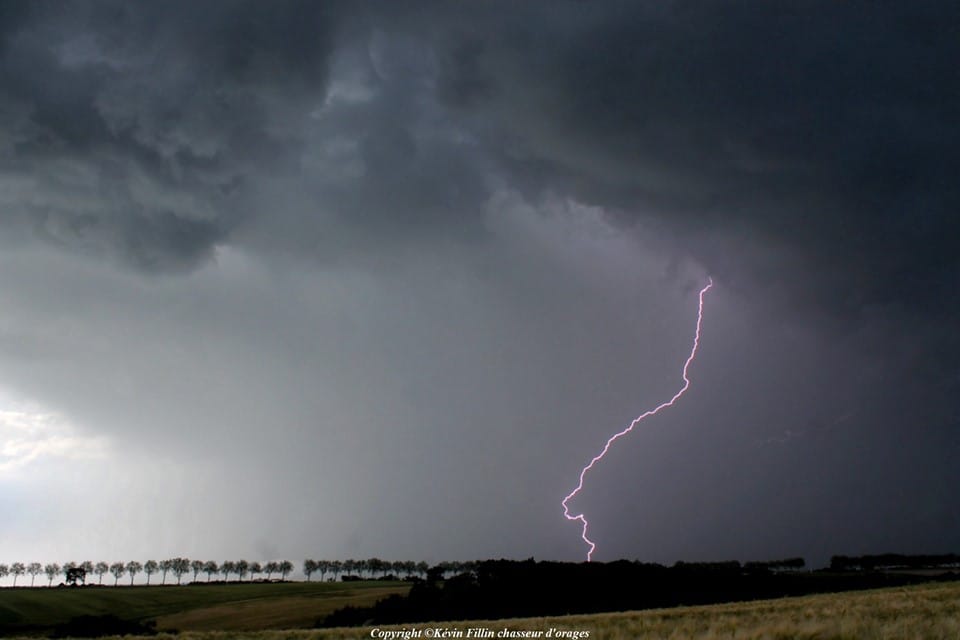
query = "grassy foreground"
{"x": 920, "y": 612}
{"x": 250, "y": 606}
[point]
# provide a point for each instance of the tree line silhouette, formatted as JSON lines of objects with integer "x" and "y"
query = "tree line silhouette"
{"x": 376, "y": 568}
{"x": 82, "y": 572}
{"x": 894, "y": 561}
{"x": 74, "y": 572}
{"x": 496, "y": 589}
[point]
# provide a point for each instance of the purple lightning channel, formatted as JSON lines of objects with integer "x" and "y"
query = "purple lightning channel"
{"x": 686, "y": 384}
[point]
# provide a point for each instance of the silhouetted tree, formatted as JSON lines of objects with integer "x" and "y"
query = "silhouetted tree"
{"x": 197, "y": 566}
{"x": 52, "y": 570}
{"x": 451, "y": 567}
{"x": 210, "y": 567}
{"x": 228, "y": 567}
{"x": 165, "y": 566}
{"x": 150, "y": 567}
{"x": 100, "y": 569}
{"x": 349, "y": 565}
{"x": 76, "y": 574}
{"x": 285, "y": 568}
{"x": 133, "y": 568}
{"x": 117, "y": 569}
{"x": 242, "y": 566}
{"x": 408, "y": 568}
{"x": 333, "y": 566}
{"x": 255, "y": 570}
{"x": 72, "y": 572}
{"x": 271, "y": 568}
{"x": 34, "y": 569}
{"x": 17, "y": 569}
{"x": 435, "y": 574}
{"x": 309, "y": 566}
{"x": 88, "y": 569}
{"x": 179, "y": 566}
{"x": 326, "y": 565}
{"x": 4, "y": 571}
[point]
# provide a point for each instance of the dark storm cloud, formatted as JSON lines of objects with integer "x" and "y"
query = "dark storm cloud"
{"x": 152, "y": 133}
{"x": 826, "y": 128}
{"x": 134, "y": 131}
{"x": 538, "y": 190}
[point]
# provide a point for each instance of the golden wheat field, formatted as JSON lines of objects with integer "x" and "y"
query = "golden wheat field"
{"x": 922, "y": 612}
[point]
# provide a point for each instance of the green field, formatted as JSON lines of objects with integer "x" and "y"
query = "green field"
{"x": 200, "y": 607}
{"x": 921, "y": 612}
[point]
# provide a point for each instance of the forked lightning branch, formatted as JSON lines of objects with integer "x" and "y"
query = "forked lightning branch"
{"x": 686, "y": 384}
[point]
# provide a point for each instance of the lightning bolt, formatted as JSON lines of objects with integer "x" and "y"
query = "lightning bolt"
{"x": 686, "y": 384}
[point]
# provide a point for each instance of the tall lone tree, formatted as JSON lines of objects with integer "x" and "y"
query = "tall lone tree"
{"x": 133, "y": 568}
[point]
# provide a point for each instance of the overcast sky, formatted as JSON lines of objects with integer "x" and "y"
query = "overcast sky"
{"x": 330, "y": 280}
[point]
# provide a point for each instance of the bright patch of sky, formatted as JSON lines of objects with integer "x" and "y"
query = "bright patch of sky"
{"x": 30, "y": 433}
